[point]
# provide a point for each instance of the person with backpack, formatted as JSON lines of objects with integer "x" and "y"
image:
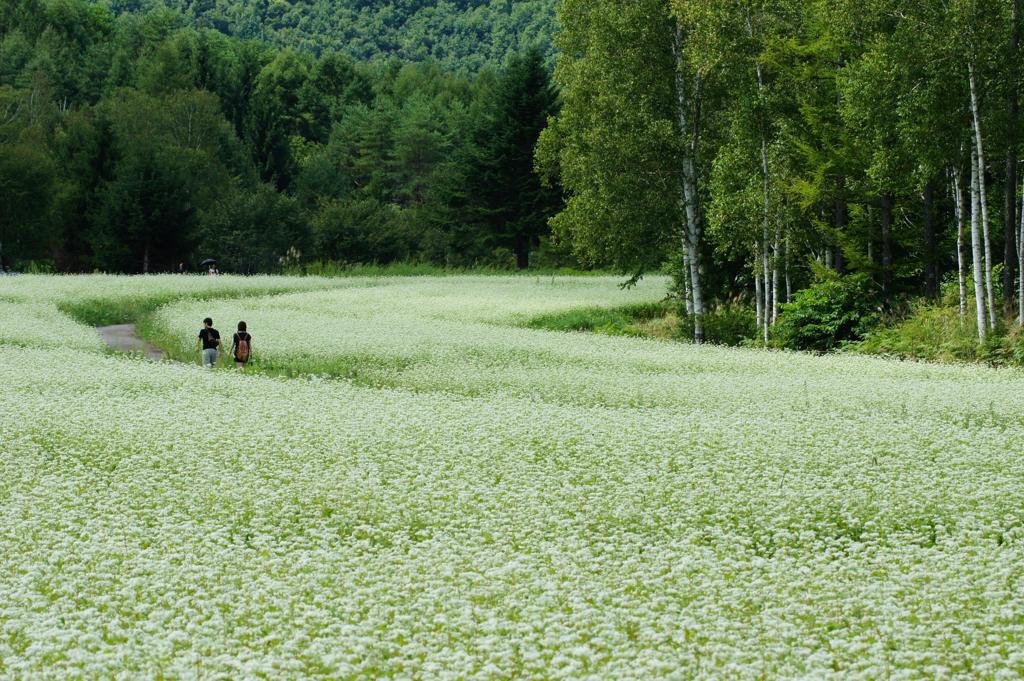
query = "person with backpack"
{"x": 241, "y": 346}
{"x": 209, "y": 339}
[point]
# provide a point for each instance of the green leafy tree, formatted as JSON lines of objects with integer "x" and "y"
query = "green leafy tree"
{"x": 627, "y": 143}
{"x": 275, "y": 117}
{"x": 615, "y": 145}
{"x": 28, "y": 178}
{"x": 174, "y": 157}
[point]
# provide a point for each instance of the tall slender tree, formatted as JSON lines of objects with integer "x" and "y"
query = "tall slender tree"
{"x": 506, "y": 197}
{"x": 625, "y": 142}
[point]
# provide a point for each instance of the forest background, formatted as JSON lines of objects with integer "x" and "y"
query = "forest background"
{"x": 812, "y": 173}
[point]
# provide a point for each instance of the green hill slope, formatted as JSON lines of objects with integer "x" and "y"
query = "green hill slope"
{"x": 462, "y": 35}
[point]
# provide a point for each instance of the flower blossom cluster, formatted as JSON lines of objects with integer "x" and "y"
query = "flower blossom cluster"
{"x": 465, "y": 498}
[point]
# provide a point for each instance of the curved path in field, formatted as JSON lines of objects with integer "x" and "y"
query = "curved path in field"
{"x": 123, "y": 338}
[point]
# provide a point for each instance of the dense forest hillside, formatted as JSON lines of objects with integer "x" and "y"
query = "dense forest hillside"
{"x": 135, "y": 143}
{"x": 807, "y": 170}
{"x": 461, "y": 35}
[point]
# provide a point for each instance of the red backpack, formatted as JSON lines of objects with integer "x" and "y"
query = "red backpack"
{"x": 242, "y": 353}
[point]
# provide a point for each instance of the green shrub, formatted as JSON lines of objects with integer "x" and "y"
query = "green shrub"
{"x": 832, "y": 312}
{"x": 939, "y": 334}
{"x": 35, "y": 267}
{"x": 730, "y": 324}
{"x": 326, "y": 268}
{"x": 618, "y": 321}
{"x": 725, "y": 325}
{"x": 930, "y": 333}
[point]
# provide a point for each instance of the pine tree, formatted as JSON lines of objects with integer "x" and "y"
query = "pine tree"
{"x": 505, "y": 196}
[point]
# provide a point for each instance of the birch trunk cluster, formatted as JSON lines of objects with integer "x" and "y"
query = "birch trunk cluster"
{"x": 690, "y": 197}
{"x": 766, "y": 284}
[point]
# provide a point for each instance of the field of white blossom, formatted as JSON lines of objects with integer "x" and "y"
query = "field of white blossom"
{"x": 440, "y": 492}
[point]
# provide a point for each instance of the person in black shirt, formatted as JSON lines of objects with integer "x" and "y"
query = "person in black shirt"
{"x": 241, "y": 346}
{"x": 209, "y": 339}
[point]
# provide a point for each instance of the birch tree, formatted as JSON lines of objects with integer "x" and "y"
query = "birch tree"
{"x": 977, "y": 251}
{"x": 687, "y": 107}
{"x": 979, "y": 169}
{"x": 626, "y": 142}
{"x": 745, "y": 210}
{"x": 958, "y": 203}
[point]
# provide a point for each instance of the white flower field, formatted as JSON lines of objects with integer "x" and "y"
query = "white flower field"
{"x": 412, "y": 484}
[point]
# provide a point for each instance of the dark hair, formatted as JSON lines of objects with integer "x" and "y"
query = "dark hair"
{"x": 241, "y": 326}
{"x": 208, "y": 321}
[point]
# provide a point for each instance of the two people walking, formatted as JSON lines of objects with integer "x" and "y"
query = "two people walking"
{"x": 209, "y": 343}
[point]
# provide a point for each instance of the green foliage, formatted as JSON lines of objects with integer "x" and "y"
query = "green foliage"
{"x": 828, "y": 314}
{"x": 939, "y": 334}
{"x": 615, "y": 145}
{"x": 173, "y": 158}
{"x": 730, "y": 324}
{"x": 141, "y": 143}
{"x": 361, "y": 231}
{"x": 932, "y": 333}
{"x": 616, "y": 321}
{"x": 504, "y": 197}
{"x": 27, "y": 183}
{"x": 725, "y": 325}
{"x": 251, "y": 231}
{"x": 462, "y": 35}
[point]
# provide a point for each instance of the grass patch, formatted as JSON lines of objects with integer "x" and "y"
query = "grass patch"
{"x": 106, "y": 311}
{"x": 629, "y": 320}
{"x": 333, "y": 269}
{"x": 725, "y": 325}
{"x": 110, "y": 311}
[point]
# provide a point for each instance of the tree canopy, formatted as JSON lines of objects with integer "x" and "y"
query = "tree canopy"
{"x": 137, "y": 142}
{"x": 817, "y": 136}
{"x": 461, "y": 35}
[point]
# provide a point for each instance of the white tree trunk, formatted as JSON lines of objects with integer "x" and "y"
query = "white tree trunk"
{"x": 758, "y": 298}
{"x": 789, "y": 284}
{"x": 691, "y": 198}
{"x": 766, "y": 286}
{"x": 769, "y": 303}
{"x": 976, "y": 249}
{"x": 1020, "y": 262}
{"x": 958, "y": 202}
{"x": 687, "y": 293}
{"x": 982, "y": 197}
{"x": 765, "y": 264}
{"x": 775, "y": 275}
{"x": 693, "y": 249}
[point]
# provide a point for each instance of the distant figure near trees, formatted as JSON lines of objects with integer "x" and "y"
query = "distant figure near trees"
{"x": 241, "y": 346}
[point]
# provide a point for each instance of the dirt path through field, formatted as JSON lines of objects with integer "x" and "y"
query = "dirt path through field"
{"x": 122, "y": 337}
